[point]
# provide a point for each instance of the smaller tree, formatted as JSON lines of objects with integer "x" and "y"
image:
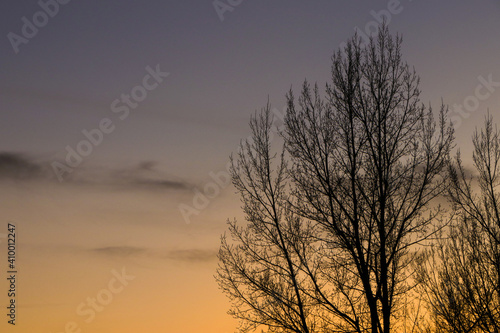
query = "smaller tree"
{"x": 260, "y": 269}
{"x": 462, "y": 274}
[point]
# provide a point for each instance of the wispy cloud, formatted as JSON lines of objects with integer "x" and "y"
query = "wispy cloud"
{"x": 19, "y": 167}
{"x": 119, "y": 251}
{"x": 193, "y": 255}
{"x": 144, "y": 176}
{"x": 185, "y": 255}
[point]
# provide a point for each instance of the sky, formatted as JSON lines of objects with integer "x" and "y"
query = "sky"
{"x": 117, "y": 121}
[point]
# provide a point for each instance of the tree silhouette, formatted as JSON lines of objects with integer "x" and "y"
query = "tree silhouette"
{"x": 260, "y": 271}
{"x": 331, "y": 229}
{"x": 462, "y": 275}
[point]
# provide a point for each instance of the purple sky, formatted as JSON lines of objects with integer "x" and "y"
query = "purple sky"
{"x": 65, "y": 78}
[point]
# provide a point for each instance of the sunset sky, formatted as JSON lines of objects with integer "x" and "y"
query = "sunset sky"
{"x": 118, "y": 118}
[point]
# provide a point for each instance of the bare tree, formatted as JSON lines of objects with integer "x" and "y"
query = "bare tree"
{"x": 259, "y": 269}
{"x": 365, "y": 162}
{"x": 462, "y": 275}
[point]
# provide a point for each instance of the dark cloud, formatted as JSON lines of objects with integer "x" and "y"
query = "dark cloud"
{"x": 188, "y": 255}
{"x": 144, "y": 176}
{"x": 147, "y": 165}
{"x": 120, "y": 251}
{"x": 192, "y": 255}
{"x": 158, "y": 183}
{"x": 19, "y": 167}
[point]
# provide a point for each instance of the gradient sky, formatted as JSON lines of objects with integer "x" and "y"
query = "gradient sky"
{"x": 119, "y": 208}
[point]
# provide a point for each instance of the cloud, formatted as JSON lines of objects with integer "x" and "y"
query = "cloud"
{"x": 19, "y": 167}
{"x": 192, "y": 255}
{"x": 119, "y": 251}
{"x": 144, "y": 176}
{"x": 165, "y": 184}
{"x": 147, "y": 166}
{"x": 187, "y": 255}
